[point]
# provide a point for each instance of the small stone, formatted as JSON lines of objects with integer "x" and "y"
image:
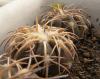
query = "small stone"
{"x": 77, "y": 77}
{"x": 87, "y": 60}
{"x": 94, "y": 39}
{"x": 88, "y": 76}
{"x": 98, "y": 60}
{"x": 82, "y": 75}
{"x": 87, "y": 54}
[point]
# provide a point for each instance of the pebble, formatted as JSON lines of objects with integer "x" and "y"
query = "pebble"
{"x": 86, "y": 54}
{"x": 87, "y": 60}
{"x": 98, "y": 60}
{"x": 77, "y": 78}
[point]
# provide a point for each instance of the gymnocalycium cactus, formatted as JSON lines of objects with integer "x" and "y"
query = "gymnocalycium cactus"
{"x": 72, "y": 19}
{"x": 38, "y": 52}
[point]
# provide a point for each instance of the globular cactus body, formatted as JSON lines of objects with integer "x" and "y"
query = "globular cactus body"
{"x": 73, "y": 19}
{"x": 43, "y": 52}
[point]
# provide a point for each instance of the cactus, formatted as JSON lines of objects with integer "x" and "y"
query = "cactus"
{"x": 73, "y": 19}
{"x": 38, "y": 52}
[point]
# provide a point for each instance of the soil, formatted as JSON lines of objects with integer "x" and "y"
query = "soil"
{"x": 87, "y": 66}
